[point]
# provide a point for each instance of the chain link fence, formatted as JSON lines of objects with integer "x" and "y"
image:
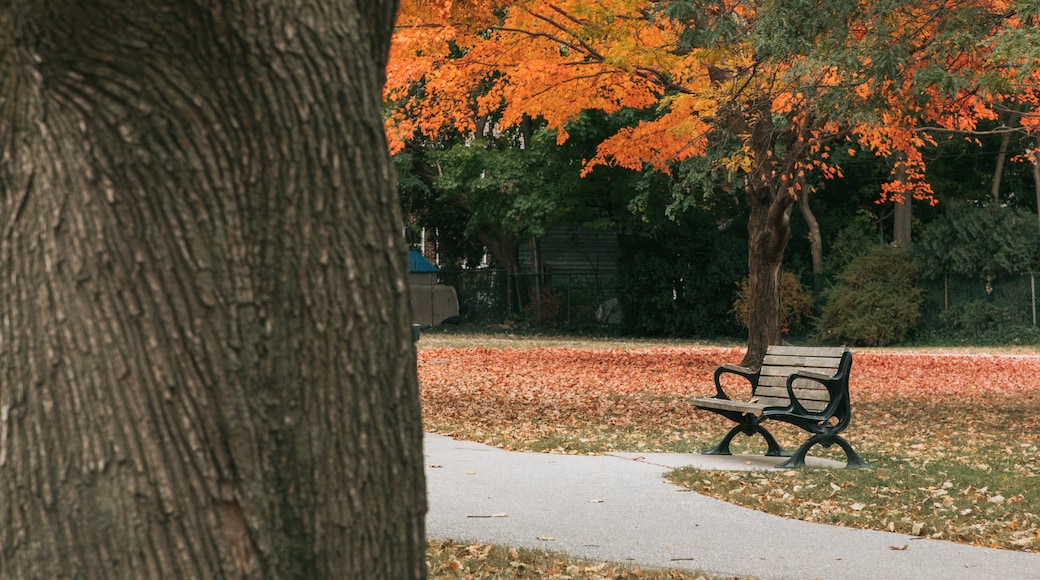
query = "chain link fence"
{"x": 976, "y": 306}
{"x": 955, "y": 306}
{"x": 572, "y": 299}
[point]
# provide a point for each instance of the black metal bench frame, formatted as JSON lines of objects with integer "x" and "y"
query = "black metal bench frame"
{"x": 797, "y": 394}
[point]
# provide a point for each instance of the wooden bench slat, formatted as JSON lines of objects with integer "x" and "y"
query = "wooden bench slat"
{"x": 756, "y": 407}
{"x": 782, "y": 382}
{"x": 801, "y": 394}
{"x": 808, "y": 404}
{"x": 790, "y": 359}
{"x": 776, "y": 373}
{"x": 728, "y": 405}
{"x": 826, "y": 351}
{"x": 825, "y": 366}
{"x": 773, "y": 401}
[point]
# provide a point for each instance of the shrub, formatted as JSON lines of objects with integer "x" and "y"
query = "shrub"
{"x": 856, "y": 239}
{"x": 875, "y": 302}
{"x": 544, "y": 309}
{"x": 980, "y": 242}
{"x": 796, "y": 303}
{"x": 975, "y": 318}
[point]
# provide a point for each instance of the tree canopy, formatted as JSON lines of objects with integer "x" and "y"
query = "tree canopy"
{"x": 763, "y": 91}
{"x": 879, "y": 71}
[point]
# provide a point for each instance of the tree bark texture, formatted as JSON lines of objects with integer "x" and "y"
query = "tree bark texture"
{"x": 769, "y": 230}
{"x": 1035, "y": 154}
{"x": 901, "y": 213}
{"x": 815, "y": 241}
{"x": 769, "y": 192}
{"x": 205, "y": 360}
{"x": 1002, "y": 153}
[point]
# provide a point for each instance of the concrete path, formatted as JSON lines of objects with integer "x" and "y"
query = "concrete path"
{"x": 618, "y": 508}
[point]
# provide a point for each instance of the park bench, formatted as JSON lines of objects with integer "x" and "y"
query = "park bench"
{"x": 804, "y": 386}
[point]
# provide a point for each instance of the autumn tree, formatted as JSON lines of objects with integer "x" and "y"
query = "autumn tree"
{"x": 761, "y": 89}
{"x": 206, "y": 366}
{"x": 497, "y": 182}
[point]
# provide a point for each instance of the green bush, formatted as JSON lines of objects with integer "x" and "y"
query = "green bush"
{"x": 975, "y": 318}
{"x": 796, "y": 303}
{"x": 875, "y": 302}
{"x": 856, "y": 239}
{"x": 979, "y": 242}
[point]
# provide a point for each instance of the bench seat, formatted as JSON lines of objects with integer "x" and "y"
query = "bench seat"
{"x": 804, "y": 386}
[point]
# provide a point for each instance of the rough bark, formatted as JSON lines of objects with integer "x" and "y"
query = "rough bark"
{"x": 769, "y": 192}
{"x": 205, "y": 358}
{"x": 901, "y": 213}
{"x": 1001, "y": 161}
{"x": 769, "y": 230}
{"x": 503, "y": 246}
{"x": 815, "y": 241}
{"x": 1036, "y": 170}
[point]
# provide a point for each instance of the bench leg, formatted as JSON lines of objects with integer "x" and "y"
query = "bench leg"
{"x": 854, "y": 461}
{"x": 748, "y": 427}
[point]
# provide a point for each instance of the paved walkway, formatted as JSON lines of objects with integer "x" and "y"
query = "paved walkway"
{"x": 619, "y": 508}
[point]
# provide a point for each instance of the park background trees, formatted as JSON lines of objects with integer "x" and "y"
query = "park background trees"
{"x": 206, "y": 365}
{"x": 757, "y": 102}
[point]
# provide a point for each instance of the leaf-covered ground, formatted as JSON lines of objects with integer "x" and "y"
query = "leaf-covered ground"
{"x": 955, "y": 438}
{"x": 450, "y": 559}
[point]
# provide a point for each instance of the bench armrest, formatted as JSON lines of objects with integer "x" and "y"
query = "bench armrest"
{"x": 748, "y": 374}
{"x": 735, "y": 369}
{"x": 836, "y": 387}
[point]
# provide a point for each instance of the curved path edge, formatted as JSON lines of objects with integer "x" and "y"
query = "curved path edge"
{"x": 609, "y": 508}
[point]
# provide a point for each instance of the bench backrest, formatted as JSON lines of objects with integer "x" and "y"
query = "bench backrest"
{"x": 781, "y": 361}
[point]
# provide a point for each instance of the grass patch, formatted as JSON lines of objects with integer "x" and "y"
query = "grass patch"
{"x": 468, "y": 336}
{"x": 972, "y": 477}
{"x": 447, "y": 559}
{"x": 944, "y": 500}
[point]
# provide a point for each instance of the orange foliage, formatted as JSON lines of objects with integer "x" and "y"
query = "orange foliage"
{"x": 454, "y": 62}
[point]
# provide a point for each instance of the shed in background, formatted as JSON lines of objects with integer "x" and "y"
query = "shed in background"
{"x": 432, "y": 303}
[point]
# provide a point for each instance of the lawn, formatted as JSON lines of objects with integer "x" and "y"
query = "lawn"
{"x": 955, "y": 436}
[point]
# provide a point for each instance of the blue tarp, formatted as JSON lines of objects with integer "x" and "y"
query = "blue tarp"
{"x": 417, "y": 264}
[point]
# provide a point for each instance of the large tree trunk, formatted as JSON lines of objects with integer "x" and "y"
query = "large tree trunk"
{"x": 769, "y": 229}
{"x": 901, "y": 216}
{"x": 205, "y": 361}
{"x": 770, "y": 196}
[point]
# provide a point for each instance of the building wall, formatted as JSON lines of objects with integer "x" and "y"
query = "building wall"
{"x": 573, "y": 250}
